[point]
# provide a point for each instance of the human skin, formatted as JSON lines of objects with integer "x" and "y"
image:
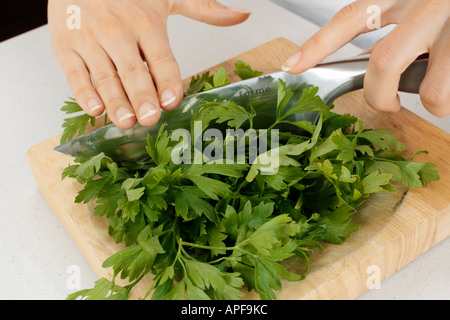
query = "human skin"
{"x": 422, "y": 26}
{"x": 120, "y": 60}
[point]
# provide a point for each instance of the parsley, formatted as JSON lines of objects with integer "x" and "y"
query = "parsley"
{"x": 205, "y": 231}
{"x": 244, "y": 71}
{"x": 74, "y": 125}
{"x": 198, "y": 83}
{"x": 219, "y": 79}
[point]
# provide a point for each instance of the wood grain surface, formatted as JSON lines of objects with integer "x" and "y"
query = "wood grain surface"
{"x": 394, "y": 228}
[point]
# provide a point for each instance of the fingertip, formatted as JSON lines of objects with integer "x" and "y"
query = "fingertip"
{"x": 292, "y": 62}
{"x": 125, "y": 118}
{"x": 240, "y": 15}
{"x": 240, "y": 10}
{"x": 171, "y": 98}
{"x": 299, "y": 62}
{"x": 126, "y": 124}
{"x": 211, "y": 12}
{"x": 168, "y": 97}
{"x": 220, "y": 15}
{"x": 95, "y": 107}
{"x": 148, "y": 114}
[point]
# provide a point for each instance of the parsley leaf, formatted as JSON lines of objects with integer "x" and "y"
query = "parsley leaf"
{"x": 198, "y": 83}
{"x": 219, "y": 79}
{"x": 77, "y": 124}
{"x": 244, "y": 71}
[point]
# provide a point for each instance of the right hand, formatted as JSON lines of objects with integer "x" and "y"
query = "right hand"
{"x": 422, "y": 26}
{"x": 104, "y": 59}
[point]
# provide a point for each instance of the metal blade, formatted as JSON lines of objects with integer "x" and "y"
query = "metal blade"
{"x": 129, "y": 145}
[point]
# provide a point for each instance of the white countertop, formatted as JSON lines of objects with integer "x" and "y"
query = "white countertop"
{"x": 37, "y": 255}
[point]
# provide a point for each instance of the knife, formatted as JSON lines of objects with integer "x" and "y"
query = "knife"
{"x": 332, "y": 78}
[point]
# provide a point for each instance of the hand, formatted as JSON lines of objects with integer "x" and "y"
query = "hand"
{"x": 422, "y": 26}
{"x": 104, "y": 58}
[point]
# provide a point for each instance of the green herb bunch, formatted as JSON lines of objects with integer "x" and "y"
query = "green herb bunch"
{"x": 212, "y": 231}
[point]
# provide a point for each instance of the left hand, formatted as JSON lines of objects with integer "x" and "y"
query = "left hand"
{"x": 423, "y": 26}
{"x": 119, "y": 58}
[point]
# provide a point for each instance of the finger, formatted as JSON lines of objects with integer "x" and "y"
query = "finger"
{"x": 137, "y": 82}
{"x": 109, "y": 86}
{"x": 210, "y": 11}
{"x": 163, "y": 67}
{"x": 349, "y": 22}
{"x": 435, "y": 88}
{"x": 391, "y": 57}
{"x": 80, "y": 83}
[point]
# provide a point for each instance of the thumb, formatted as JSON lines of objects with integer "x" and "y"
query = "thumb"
{"x": 210, "y": 11}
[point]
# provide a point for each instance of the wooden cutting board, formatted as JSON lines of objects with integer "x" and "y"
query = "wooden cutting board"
{"x": 394, "y": 228}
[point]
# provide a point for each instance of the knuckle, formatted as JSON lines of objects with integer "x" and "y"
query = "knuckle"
{"x": 110, "y": 20}
{"x": 74, "y": 72}
{"x": 160, "y": 57}
{"x": 58, "y": 54}
{"x": 144, "y": 20}
{"x": 89, "y": 35}
{"x": 318, "y": 41}
{"x": 131, "y": 67}
{"x": 112, "y": 25}
{"x": 60, "y": 49}
{"x": 105, "y": 76}
{"x": 382, "y": 59}
{"x": 431, "y": 96}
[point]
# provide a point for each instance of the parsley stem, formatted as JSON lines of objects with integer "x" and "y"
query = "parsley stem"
{"x": 201, "y": 246}
{"x": 179, "y": 257}
{"x": 278, "y": 121}
{"x": 273, "y": 125}
{"x": 220, "y": 259}
{"x": 135, "y": 282}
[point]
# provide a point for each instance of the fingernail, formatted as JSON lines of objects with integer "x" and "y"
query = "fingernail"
{"x": 147, "y": 110}
{"x": 291, "y": 62}
{"x": 123, "y": 114}
{"x": 168, "y": 97}
{"x": 239, "y": 10}
{"x": 94, "y": 105}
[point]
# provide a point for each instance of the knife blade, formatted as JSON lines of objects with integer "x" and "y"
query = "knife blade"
{"x": 129, "y": 145}
{"x": 333, "y": 80}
